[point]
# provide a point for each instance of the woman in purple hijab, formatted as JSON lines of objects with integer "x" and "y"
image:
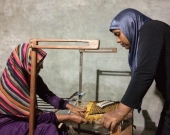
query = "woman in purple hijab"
{"x": 148, "y": 42}
{"x": 15, "y": 98}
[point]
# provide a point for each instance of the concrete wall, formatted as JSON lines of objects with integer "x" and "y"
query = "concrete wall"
{"x": 78, "y": 19}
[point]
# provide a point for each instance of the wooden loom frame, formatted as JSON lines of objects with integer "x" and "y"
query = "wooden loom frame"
{"x": 93, "y": 46}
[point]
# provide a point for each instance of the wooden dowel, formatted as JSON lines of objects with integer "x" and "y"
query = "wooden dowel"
{"x": 32, "y": 92}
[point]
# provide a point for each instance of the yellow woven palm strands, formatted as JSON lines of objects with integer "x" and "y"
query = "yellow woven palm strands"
{"x": 97, "y": 110}
{"x": 94, "y": 112}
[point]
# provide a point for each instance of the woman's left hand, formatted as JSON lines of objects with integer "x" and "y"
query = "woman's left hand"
{"x": 111, "y": 119}
{"x": 76, "y": 110}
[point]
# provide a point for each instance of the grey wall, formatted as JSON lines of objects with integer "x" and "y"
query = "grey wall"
{"x": 78, "y": 19}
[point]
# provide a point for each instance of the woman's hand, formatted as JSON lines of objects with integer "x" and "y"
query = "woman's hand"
{"x": 111, "y": 119}
{"x": 77, "y": 119}
{"x": 72, "y": 117}
{"x": 76, "y": 110}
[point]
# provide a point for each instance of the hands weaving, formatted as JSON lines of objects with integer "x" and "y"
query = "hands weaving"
{"x": 77, "y": 119}
{"x": 76, "y": 110}
{"x": 111, "y": 119}
{"x": 77, "y": 115}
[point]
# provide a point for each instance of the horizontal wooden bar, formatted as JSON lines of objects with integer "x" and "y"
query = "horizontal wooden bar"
{"x": 59, "y": 40}
{"x": 101, "y": 50}
{"x": 92, "y": 44}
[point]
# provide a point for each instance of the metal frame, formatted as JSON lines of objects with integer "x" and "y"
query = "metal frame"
{"x": 108, "y": 73}
{"x": 127, "y": 123}
{"x": 93, "y": 44}
{"x": 100, "y": 50}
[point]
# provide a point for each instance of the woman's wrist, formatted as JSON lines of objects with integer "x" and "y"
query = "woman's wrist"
{"x": 120, "y": 113}
{"x": 123, "y": 109}
{"x": 69, "y": 106}
{"x": 63, "y": 117}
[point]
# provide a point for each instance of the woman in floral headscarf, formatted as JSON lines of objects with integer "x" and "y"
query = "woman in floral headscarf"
{"x": 15, "y": 98}
{"x": 148, "y": 42}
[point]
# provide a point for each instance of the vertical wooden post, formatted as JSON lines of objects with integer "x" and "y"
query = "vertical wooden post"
{"x": 32, "y": 91}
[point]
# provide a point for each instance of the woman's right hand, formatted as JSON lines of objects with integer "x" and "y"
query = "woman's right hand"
{"x": 76, "y": 119}
{"x": 71, "y": 117}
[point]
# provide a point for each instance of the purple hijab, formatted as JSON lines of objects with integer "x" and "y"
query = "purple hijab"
{"x": 129, "y": 21}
